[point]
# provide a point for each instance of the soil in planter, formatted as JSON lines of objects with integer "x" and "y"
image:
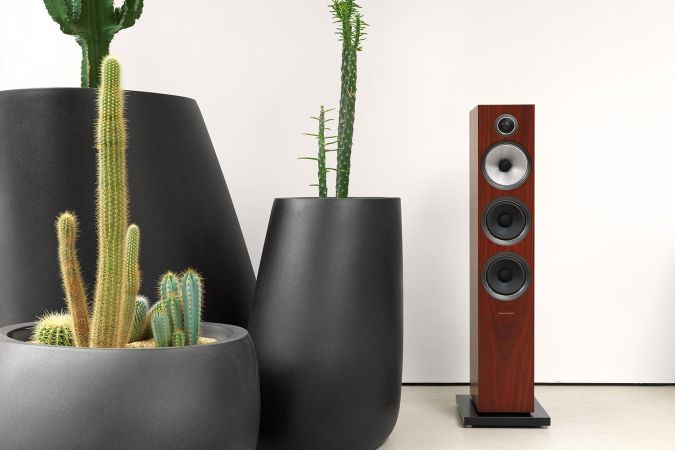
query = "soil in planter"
{"x": 150, "y": 343}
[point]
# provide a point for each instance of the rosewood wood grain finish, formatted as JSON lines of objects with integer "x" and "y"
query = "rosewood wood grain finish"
{"x": 502, "y": 332}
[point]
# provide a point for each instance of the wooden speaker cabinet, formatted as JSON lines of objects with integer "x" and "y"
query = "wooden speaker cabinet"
{"x": 502, "y": 258}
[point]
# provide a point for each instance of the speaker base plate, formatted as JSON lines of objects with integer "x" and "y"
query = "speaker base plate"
{"x": 472, "y": 418}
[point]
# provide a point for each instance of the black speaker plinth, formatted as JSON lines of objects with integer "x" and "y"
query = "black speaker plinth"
{"x": 472, "y": 418}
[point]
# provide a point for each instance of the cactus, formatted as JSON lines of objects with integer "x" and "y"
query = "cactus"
{"x": 71, "y": 276}
{"x": 323, "y": 148}
{"x": 140, "y": 313}
{"x": 54, "y": 329}
{"x": 112, "y": 203}
{"x": 94, "y": 23}
{"x": 351, "y": 33}
{"x": 132, "y": 282}
{"x": 161, "y": 328}
{"x": 178, "y": 338}
{"x": 191, "y": 290}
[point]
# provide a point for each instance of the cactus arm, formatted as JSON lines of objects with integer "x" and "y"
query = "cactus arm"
{"x": 140, "y": 314}
{"x": 71, "y": 276}
{"x": 66, "y": 13}
{"x": 161, "y": 329}
{"x": 175, "y": 311}
{"x": 178, "y": 338}
{"x": 132, "y": 284}
{"x": 127, "y": 14}
{"x": 191, "y": 289}
{"x": 321, "y": 138}
{"x": 112, "y": 204}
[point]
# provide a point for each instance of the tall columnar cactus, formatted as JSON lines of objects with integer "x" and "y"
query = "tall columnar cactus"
{"x": 54, "y": 329}
{"x": 71, "y": 276}
{"x": 191, "y": 290}
{"x": 94, "y": 23}
{"x": 351, "y": 33}
{"x": 112, "y": 203}
{"x": 140, "y": 313}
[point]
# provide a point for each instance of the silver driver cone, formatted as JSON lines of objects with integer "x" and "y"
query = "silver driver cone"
{"x": 506, "y": 166}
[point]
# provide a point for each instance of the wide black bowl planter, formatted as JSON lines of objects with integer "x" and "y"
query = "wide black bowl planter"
{"x": 327, "y": 323}
{"x": 197, "y": 397}
{"x": 178, "y": 197}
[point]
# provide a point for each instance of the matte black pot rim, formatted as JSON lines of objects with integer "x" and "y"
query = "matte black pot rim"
{"x": 341, "y": 199}
{"x": 224, "y": 333}
{"x": 45, "y": 89}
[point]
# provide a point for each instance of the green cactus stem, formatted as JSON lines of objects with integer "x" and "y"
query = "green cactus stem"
{"x": 175, "y": 311}
{"x": 94, "y": 23}
{"x": 161, "y": 328}
{"x": 178, "y": 338}
{"x": 323, "y": 148}
{"x": 54, "y": 329}
{"x": 132, "y": 284}
{"x": 140, "y": 314}
{"x": 191, "y": 289}
{"x": 351, "y": 33}
{"x": 112, "y": 203}
{"x": 71, "y": 276}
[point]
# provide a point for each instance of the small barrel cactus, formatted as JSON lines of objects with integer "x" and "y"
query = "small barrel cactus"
{"x": 54, "y": 329}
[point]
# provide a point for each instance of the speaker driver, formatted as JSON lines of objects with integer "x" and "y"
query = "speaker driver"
{"x": 506, "y": 166}
{"x": 506, "y": 221}
{"x": 506, "y": 276}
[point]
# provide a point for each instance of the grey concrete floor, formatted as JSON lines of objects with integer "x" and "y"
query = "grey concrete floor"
{"x": 582, "y": 417}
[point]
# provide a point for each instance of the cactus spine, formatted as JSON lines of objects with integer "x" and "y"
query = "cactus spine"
{"x": 161, "y": 328}
{"x": 140, "y": 313}
{"x": 112, "y": 203}
{"x": 54, "y": 329}
{"x": 191, "y": 289}
{"x": 132, "y": 283}
{"x": 351, "y": 32}
{"x": 71, "y": 276}
{"x": 94, "y": 23}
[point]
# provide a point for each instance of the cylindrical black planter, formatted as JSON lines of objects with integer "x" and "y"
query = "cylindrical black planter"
{"x": 327, "y": 323}
{"x": 197, "y": 397}
{"x": 178, "y": 196}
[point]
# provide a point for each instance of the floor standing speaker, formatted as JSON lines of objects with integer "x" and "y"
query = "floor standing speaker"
{"x": 502, "y": 260}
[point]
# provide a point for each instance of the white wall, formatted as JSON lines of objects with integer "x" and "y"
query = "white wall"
{"x": 600, "y": 72}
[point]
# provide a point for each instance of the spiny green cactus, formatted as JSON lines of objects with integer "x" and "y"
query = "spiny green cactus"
{"x": 178, "y": 338}
{"x": 138, "y": 326}
{"x": 191, "y": 290}
{"x": 132, "y": 283}
{"x": 54, "y": 329}
{"x": 71, "y": 276}
{"x": 175, "y": 311}
{"x": 161, "y": 328}
{"x": 323, "y": 148}
{"x": 112, "y": 203}
{"x": 351, "y": 32}
{"x": 94, "y": 23}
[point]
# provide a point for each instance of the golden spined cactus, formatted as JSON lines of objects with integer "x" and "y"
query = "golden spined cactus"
{"x": 71, "y": 276}
{"x": 132, "y": 284}
{"x": 112, "y": 204}
{"x": 54, "y": 329}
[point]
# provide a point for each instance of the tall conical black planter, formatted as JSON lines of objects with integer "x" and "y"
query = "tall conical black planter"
{"x": 178, "y": 197}
{"x": 327, "y": 323}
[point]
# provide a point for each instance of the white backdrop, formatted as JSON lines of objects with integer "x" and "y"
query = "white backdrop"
{"x": 600, "y": 72}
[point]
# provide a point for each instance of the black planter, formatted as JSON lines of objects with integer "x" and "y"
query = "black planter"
{"x": 327, "y": 323}
{"x": 198, "y": 397}
{"x": 178, "y": 197}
